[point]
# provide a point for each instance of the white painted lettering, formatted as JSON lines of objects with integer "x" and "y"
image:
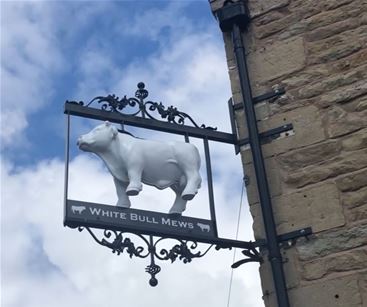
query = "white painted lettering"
{"x": 123, "y": 215}
{"x": 94, "y": 211}
{"x": 106, "y": 213}
{"x": 191, "y": 225}
{"x": 166, "y": 221}
{"x": 182, "y": 224}
{"x": 133, "y": 216}
{"x": 174, "y": 223}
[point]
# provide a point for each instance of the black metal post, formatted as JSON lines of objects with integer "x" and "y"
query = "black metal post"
{"x": 210, "y": 185}
{"x": 67, "y": 160}
{"x": 232, "y": 17}
{"x": 275, "y": 257}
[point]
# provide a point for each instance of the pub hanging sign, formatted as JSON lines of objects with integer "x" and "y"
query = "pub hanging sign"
{"x": 132, "y": 162}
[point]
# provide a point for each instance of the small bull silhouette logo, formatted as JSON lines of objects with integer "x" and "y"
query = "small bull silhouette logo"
{"x": 204, "y": 227}
{"x": 78, "y": 209}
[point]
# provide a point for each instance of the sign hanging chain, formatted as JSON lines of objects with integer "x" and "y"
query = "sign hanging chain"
{"x": 235, "y": 249}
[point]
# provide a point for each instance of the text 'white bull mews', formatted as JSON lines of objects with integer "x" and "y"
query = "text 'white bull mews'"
{"x": 133, "y": 161}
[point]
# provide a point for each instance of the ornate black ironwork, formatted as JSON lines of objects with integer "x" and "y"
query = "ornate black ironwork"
{"x": 184, "y": 250}
{"x": 113, "y": 103}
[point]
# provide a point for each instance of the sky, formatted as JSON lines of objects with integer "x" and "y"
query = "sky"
{"x": 53, "y": 51}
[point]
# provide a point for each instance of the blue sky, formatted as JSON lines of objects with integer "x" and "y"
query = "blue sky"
{"x": 52, "y": 51}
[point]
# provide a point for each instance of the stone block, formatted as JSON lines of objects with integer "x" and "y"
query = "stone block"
{"x": 333, "y": 4}
{"x": 342, "y": 95}
{"x": 355, "y": 205}
{"x": 270, "y": 17}
{"x": 274, "y": 60}
{"x": 273, "y": 177}
{"x": 339, "y": 292}
{"x": 307, "y": 126}
{"x": 235, "y": 80}
{"x": 356, "y": 214}
{"x": 355, "y": 198}
{"x": 340, "y": 122}
{"x": 305, "y": 77}
{"x": 361, "y": 106}
{"x": 228, "y": 46}
{"x": 337, "y": 46}
{"x": 353, "y": 61}
{"x": 336, "y": 263}
{"x": 327, "y": 84}
{"x": 363, "y": 287}
{"x": 290, "y": 267}
{"x": 334, "y": 28}
{"x": 342, "y": 164}
{"x": 317, "y": 207}
{"x": 352, "y": 181}
{"x": 334, "y": 241}
{"x": 312, "y": 15}
{"x": 310, "y": 155}
{"x": 355, "y": 141}
{"x": 258, "y": 8}
{"x": 275, "y": 26}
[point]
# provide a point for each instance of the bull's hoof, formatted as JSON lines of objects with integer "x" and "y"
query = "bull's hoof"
{"x": 132, "y": 192}
{"x": 188, "y": 196}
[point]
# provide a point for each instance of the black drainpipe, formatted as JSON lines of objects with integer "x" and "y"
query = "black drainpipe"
{"x": 234, "y": 17}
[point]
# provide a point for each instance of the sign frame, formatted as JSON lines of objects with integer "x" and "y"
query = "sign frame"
{"x": 116, "y": 228}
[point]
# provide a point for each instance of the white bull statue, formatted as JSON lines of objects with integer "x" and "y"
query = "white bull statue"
{"x": 133, "y": 161}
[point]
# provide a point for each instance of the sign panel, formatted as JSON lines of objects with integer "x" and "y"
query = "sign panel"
{"x": 79, "y": 213}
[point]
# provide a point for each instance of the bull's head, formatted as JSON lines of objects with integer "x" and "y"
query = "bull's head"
{"x": 98, "y": 139}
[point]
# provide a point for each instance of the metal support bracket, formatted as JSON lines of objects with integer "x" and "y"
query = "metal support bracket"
{"x": 266, "y": 136}
{"x": 271, "y": 96}
{"x": 288, "y": 239}
{"x": 270, "y": 135}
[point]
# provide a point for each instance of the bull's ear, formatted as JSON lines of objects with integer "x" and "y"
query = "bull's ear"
{"x": 114, "y": 132}
{"x": 107, "y": 123}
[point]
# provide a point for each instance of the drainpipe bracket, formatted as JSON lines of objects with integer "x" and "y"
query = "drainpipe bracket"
{"x": 233, "y": 13}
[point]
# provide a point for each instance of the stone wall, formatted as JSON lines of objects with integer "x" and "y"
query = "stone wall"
{"x": 317, "y": 50}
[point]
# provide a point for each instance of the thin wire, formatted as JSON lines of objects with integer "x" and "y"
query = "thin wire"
{"x": 234, "y": 252}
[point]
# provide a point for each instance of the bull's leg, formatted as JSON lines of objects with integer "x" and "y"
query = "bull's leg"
{"x": 193, "y": 184}
{"x": 179, "y": 205}
{"x": 135, "y": 185}
{"x": 123, "y": 199}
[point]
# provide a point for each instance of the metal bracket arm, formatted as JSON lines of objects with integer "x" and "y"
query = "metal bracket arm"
{"x": 289, "y": 237}
{"x": 268, "y": 136}
{"x": 267, "y": 96}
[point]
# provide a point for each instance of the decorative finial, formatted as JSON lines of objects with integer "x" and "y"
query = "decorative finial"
{"x": 141, "y": 93}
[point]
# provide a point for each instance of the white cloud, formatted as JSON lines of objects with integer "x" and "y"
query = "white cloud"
{"x": 34, "y": 39}
{"x": 28, "y": 55}
{"x": 158, "y": 20}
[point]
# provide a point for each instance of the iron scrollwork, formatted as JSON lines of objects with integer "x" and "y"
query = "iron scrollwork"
{"x": 251, "y": 254}
{"x": 145, "y": 109}
{"x": 184, "y": 250}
